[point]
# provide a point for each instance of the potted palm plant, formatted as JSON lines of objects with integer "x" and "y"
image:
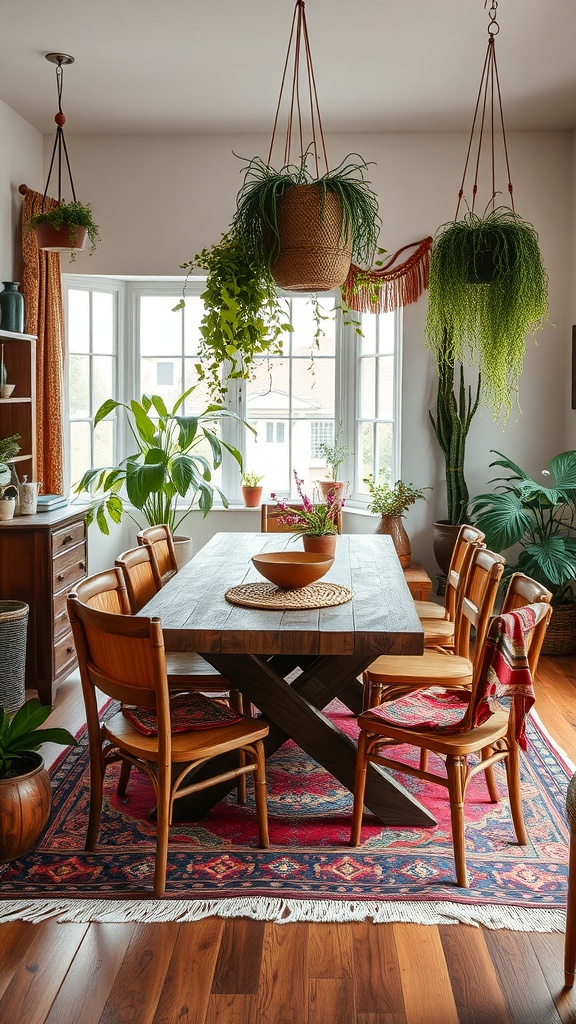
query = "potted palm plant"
{"x": 391, "y": 504}
{"x": 25, "y": 792}
{"x": 541, "y": 519}
{"x": 169, "y": 473}
{"x": 65, "y": 227}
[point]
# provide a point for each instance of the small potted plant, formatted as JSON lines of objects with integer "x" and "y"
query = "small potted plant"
{"x": 334, "y": 455}
{"x": 316, "y": 524}
{"x": 251, "y": 491}
{"x": 391, "y": 504}
{"x": 25, "y": 792}
{"x": 65, "y": 227}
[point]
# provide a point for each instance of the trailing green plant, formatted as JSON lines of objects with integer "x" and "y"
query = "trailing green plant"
{"x": 75, "y": 215}
{"x": 175, "y": 458}
{"x": 243, "y": 315}
{"x": 538, "y": 517}
{"x": 454, "y": 411}
{"x": 20, "y": 734}
{"x": 487, "y": 323}
{"x": 393, "y": 501}
{"x": 256, "y": 217}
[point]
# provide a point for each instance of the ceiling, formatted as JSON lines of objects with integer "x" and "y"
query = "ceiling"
{"x": 185, "y": 66}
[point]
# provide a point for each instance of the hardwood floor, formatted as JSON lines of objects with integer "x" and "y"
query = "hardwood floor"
{"x": 248, "y": 972}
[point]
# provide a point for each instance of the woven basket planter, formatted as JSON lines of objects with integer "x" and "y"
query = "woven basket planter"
{"x": 313, "y": 255}
{"x": 560, "y": 637}
{"x": 13, "y": 628}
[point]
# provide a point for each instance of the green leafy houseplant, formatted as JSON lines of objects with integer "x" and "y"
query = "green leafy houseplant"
{"x": 73, "y": 214}
{"x": 174, "y": 459}
{"x": 455, "y": 408}
{"x": 393, "y": 501}
{"x": 20, "y": 734}
{"x": 334, "y": 455}
{"x": 487, "y": 322}
{"x": 251, "y": 479}
{"x": 538, "y": 517}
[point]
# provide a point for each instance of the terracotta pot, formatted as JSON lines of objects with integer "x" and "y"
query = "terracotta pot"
{"x": 25, "y": 802}
{"x": 324, "y": 545}
{"x": 394, "y": 526}
{"x": 251, "y": 496}
{"x": 58, "y": 239}
{"x": 445, "y": 536}
{"x": 332, "y": 485}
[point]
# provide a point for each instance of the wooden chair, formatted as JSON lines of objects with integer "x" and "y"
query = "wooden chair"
{"x": 269, "y": 518}
{"x": 391, "y": 675}
{"x": 439, "y": 621}
{"x": 123, "y": 657}
{"x": 472, "y": 727}
{"x": 159, "y": 539}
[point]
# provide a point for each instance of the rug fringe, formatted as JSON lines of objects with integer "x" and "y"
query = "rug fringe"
{"x": 283, "y": 911}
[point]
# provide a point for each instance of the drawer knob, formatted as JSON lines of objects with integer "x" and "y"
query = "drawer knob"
{"x": 67, "y": 538}
{"x": 69, "y": 650}
{"x": 60, "y": 577}
{"x": 82, "y": 565}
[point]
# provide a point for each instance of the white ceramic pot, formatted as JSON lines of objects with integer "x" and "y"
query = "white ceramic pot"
{"x": 7, "y": 506}
{"x": 184, "y": 549}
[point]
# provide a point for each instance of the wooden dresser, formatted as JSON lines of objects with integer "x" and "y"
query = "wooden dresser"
{"x": 41, "y": 557}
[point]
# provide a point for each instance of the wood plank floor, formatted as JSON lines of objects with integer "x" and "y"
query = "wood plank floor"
{"x": 246, "y": 972}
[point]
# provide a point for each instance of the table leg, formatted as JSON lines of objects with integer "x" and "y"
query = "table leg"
{"x": 294, "y": 709}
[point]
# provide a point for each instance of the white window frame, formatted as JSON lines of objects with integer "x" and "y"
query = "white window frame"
{"x": 347, "y": 378}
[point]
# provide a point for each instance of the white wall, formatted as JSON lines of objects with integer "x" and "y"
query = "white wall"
{"x": 158, "y": 200}
{"x": 20, "y": 164}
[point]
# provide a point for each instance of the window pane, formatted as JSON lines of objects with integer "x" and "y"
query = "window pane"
{"x": 102, "y": 380}
{"x": 386, "y": 326}
{"x": 193, "y": 312}
{"x": 368, "y": 342}
{"x": 386, "y": 388}
{"x": 160, "y": 327}
{"x": 368, "y": 388}
{"x": 78, "y": 320}
{"x": 268, "y": 455}
{"x": 384, "y": 452}
{"x": 366, "y": 455}
{"x": 80, "y": 454}
{"x": 103, "y": 322}
{"x": 104, "y": 444}
{"x": 313, "y": 387}
{"x": 320, "y": 433}
{"x": 200, "y": 398}
{"x": 79, "y": 386}
{"x": 269, "y": 392}
{"x": 152, "y": 374}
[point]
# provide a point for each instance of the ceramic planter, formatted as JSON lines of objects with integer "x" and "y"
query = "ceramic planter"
{"x": 394, "y": 527}
{"x": 251, "y": 496}
{"x": 58, "y": 239}
{"x": 323, "y": 545}
{"x": 25, "y": 802}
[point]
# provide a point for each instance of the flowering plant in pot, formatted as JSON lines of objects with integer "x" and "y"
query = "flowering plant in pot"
{"x": 25, "y": 793}
{"x": 541, "y": 519}
{"x": 391, "y": 503}
{"x": 318, "y": 525}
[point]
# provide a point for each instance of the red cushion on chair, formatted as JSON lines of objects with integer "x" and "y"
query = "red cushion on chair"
{"x": 188, "y": 711}
{"x": 433, "y": 710}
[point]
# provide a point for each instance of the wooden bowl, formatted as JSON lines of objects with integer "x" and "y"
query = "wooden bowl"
{"x": 292, "y": 569}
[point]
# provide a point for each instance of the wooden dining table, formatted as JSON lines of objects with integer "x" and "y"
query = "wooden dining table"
{"x": 290, "y": 664}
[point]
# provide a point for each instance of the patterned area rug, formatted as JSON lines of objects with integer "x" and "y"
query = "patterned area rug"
{"x": 309, "y": 873}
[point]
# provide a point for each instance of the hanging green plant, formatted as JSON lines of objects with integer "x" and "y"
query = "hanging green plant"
{"x": 487, "y": 322}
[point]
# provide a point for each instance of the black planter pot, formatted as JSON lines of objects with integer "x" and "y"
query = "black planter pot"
{"x": 445, "y": 535}
{"x": 482, "y": 267}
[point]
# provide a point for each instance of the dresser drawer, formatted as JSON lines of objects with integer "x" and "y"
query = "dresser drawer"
{"x": 68, "y": 537}
{"x": 60, "y": 613}
{"x": 64, "y": 653}
{"x": 68, "y": 568}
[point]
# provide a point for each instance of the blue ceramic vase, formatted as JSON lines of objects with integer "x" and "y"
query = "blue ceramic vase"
{"x": 11, "y": 308}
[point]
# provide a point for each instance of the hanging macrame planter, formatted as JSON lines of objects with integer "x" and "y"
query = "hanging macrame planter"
{"x": 488, "y": 287}
{"x": 306, "y": 225}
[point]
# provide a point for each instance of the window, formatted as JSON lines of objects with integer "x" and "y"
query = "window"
{"x": 344, "y": 387}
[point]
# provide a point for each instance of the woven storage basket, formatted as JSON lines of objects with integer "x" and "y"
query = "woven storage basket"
{"x": 313, "y": 255}
{"x": 13, "y": 626}
{"x": 560, "y": 636}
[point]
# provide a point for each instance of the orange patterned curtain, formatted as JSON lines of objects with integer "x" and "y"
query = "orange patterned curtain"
{"x": 42, "y": 290}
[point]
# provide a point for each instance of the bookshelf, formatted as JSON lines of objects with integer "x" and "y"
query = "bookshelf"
{"x": 18, "y": 413}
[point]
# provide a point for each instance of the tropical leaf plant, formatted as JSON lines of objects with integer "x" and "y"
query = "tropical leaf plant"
{"x": 487, "y": 323}
{"x": 171, "y": 470}
{"x": 539, "y": 517}
{"x": 20, "y": 733}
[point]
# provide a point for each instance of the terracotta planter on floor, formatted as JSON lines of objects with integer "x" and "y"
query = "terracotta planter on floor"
{"x": 394, "y": 526}
{"x": 324, "y": 545}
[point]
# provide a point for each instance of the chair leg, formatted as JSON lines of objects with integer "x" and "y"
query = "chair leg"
{"x": 241, "y": 785}
{"x": 125, "y": 769}
{"x": 96, "y": 791}
{"x": 493, "y": 792}
{"x": 456, "y": 769}
{"x": 237, "y": 703}
{"x": 514, "y": 793}
{"x": 260, "y": 795}
{"x": 162, "y": 828}
{"x": 424, "y": 759}
{"x": 570, "y": 940}
{"x": 359, "y": 789}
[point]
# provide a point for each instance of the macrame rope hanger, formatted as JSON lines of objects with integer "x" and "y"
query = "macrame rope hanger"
{"x": 59, "y": 142}
{"x": 299, "y": 43}
{"x": 488, "y": 92}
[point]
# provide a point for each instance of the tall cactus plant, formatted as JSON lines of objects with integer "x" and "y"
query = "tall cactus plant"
{"x": 451, "y": 424}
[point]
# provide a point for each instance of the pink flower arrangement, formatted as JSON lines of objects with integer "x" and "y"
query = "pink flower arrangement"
{"x": 313, "y": 520}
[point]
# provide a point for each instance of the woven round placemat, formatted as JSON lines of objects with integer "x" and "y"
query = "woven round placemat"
{"x": 268, "y": 595}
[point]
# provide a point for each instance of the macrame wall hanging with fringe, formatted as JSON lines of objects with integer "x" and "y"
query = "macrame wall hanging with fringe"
{"x": 392, "y": 285}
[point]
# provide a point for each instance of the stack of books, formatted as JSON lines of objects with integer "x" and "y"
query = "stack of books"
{"x": 49, "y": 502}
